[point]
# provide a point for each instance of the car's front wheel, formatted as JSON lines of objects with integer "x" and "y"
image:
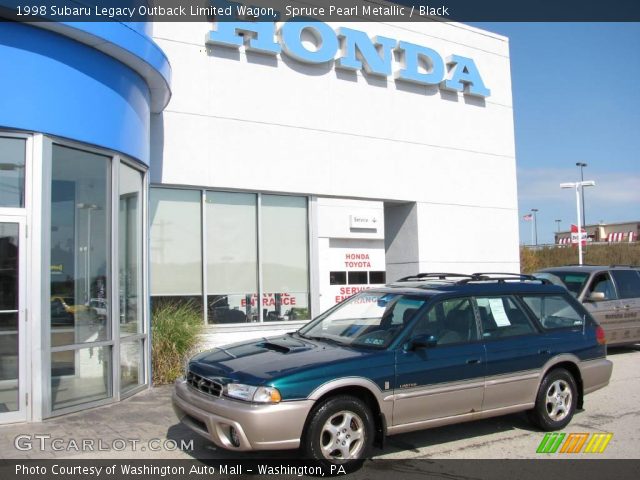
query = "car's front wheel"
{"x": 556, "y": 401}
{"x": 340, "y": 430}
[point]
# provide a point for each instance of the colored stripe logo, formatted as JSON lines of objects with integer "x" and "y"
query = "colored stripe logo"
{"x": 574, "y": 443}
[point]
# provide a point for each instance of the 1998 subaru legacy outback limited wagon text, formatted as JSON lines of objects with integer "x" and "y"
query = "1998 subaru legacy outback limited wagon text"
{"x": 429, "y": 350}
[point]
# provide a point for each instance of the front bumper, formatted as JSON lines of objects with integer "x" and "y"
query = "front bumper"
{"x": 258, "y": 427}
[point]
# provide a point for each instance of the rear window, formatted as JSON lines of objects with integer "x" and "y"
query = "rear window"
{"x": 628, "y": 283}
{"x": 554, "y": 311}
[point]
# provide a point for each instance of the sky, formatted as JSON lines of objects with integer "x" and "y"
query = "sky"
{"x": 576, "y": 98}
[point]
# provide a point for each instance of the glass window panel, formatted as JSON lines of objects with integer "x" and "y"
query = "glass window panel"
{"x": 232, "y": 256}
{"x": 554, "y": 311}
{"x": 131, "y": 366}
{"x": 358, "y": 278}
{"x": 628, "y": 282}
{"x": 337, "y": 278}
{"x": 501, "y": 317}
{"x": 9, "y": 266}
{"x": 80, "y": 376}
{"x": 377, "y": 278}
{"x": 79, "y": 246}
{"x": 8, "y": 361}
{"x": 602, "y": 283}
{"x": 12, "y": 166}
{"x": 9, "y": 305}
{"x": 130, "y": 251}
{"x": 194, "y": 302}
{"x": 175, "y": 238}
{"x": 450, "y": 321}
{"x": 285, "y": 254}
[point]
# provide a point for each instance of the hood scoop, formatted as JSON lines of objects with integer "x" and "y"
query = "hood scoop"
{"x": 283, "y": 345}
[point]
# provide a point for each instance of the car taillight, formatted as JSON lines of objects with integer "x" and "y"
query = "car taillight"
{"x": 600, "y": 336}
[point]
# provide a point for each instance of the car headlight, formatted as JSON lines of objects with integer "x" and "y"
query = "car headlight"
{"x": 252, "y": 393}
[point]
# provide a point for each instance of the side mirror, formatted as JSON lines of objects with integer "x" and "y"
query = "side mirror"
{"x": 423, "y": 341}
{"x": 596, "y": 297}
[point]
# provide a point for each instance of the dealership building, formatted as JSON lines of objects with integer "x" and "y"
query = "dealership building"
{"x": 261, "y": 172}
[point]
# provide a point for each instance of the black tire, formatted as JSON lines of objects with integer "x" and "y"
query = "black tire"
{"x": 353, "y": 417}
{"x": 556, "y": 401}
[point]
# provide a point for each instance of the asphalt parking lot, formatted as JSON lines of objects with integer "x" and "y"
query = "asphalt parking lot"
{"x": 148, "y": 419}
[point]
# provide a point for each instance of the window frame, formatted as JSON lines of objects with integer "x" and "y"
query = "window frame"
{"x": 537, "y": 329}
{"x": 113, "y": 343}
{"x": 615, "y": 282}
{"x": 203, "y": 294}
{"x": 588, "y": 286}
{"x": 27, "y": 190}
{"x": 577, "y": 306}
{"x": 409, "y": 336}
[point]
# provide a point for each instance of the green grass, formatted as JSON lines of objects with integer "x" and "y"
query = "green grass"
{"x": 175, "y": 327}
{"x": 614, "y": 254}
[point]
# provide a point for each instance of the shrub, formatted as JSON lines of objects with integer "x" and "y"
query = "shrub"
{"x": 175, "y": 328}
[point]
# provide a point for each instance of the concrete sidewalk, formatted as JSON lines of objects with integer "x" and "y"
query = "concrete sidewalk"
{"x": 142, "y": 426}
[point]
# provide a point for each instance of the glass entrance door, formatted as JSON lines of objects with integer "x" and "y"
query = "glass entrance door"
{"x": 12, "y": 319}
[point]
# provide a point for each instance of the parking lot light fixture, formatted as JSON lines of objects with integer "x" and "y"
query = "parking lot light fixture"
{"x": 577, "y": 186}
{"x": 581, "y": 166}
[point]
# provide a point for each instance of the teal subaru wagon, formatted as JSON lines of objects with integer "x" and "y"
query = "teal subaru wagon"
{"x": 428, "y": 350}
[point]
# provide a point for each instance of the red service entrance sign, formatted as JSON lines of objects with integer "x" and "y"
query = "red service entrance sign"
{"x": 574, "y": 235}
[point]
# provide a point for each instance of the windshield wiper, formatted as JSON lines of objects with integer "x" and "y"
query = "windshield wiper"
{"x": 328, "y": 340}
{"x": 298, "y": 334}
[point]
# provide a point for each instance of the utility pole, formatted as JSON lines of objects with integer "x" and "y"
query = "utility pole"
{"x": 535, "y": 224}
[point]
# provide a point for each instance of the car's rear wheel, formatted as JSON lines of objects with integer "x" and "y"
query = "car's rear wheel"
{"x": 340, "y": 430}
{"x": 556, "y": 401}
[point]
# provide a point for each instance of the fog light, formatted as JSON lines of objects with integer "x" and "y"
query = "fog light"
{"x": 233, "y": 436}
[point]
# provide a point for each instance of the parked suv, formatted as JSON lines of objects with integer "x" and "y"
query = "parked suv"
{"x": 610, "y": 293}
{"x": 429, "y": 350}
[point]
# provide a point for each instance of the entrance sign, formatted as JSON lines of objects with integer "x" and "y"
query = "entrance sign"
{"x": 353, "y": 50}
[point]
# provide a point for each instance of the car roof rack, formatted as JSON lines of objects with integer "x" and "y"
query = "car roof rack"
{"x": 503, "y": 277}
{"x": 463, "y": 278}
{"x": 432, "y": 276}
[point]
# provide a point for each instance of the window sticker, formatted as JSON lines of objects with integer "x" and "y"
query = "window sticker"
{"x": 499, "y": 315}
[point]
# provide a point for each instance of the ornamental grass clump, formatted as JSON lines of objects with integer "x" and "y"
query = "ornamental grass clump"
{"x": 175, "y": 330}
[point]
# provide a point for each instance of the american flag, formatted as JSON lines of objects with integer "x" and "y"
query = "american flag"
{"x": 528, "y": 217}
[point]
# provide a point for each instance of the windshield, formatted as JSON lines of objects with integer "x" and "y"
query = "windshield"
{"x": 574, "y": 282}
{"x": 368, "y": 319}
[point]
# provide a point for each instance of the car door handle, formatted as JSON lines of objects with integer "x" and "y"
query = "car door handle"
{"x": 544, "y": 352}
{"x": 472, "y": 361}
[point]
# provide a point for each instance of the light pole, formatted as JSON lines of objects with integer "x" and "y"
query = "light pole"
{"x": 578, "y": 187}
{"x": 558, "y": 225}
{"x": 584, "y": 215}
{"x": 535, "y": 224}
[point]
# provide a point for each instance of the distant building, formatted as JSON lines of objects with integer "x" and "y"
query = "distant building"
{"x": 605, "y": 232}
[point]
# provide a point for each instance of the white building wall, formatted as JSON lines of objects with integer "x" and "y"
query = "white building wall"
{"x": 340, "y": 239}
{"x": 246, "y": 121}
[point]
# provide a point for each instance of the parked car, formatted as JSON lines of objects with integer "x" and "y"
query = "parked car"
{"x": 610, "y": 293}
{"x": 429, "y": 350}
{"x": 98, "y": 306}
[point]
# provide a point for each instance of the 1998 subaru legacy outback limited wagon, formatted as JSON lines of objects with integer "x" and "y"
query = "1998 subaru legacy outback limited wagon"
{"x": 429, "y": 350}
